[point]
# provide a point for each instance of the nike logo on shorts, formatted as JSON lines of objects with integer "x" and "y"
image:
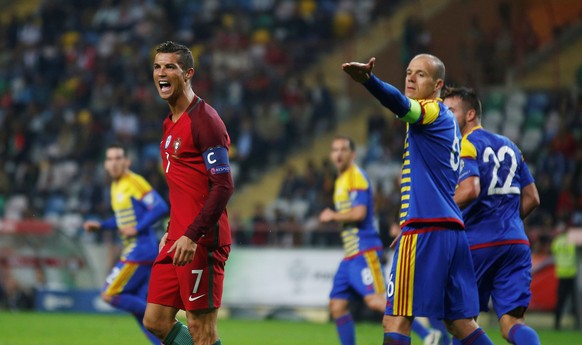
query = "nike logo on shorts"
{"x": 192, "y": 299}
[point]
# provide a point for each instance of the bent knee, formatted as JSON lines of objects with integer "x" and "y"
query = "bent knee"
{"x": 461, "y": 328}
{"x": 338, "y": 308}
{"x": 107, "y": 298}
{"x": 156, "y": 326}
{"x": 508, "y": 321}
{"x": 376, "y": 302}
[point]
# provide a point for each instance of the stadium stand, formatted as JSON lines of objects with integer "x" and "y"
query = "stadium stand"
{"x": 74, "y": 78}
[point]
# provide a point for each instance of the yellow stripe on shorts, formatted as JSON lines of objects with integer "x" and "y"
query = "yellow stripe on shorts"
{"x": 376, "y": 269}
{"x": 122, "y": 278}
{"x": 404, "y": 287}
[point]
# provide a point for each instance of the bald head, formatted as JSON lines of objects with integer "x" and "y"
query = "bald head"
{"x": 438, "y": 67}
{"x": 425, "y": 77}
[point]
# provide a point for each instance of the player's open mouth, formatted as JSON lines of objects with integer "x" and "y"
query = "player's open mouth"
{"x": 164, "y": 86}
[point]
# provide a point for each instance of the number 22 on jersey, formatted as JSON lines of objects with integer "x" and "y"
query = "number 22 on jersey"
{"x": 498, "y": 158}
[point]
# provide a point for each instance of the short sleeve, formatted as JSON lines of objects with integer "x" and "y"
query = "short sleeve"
{"x": 525, "y": 176}
{"x": 359, "y": 194}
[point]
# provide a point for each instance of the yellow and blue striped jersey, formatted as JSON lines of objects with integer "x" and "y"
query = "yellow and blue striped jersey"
{"x": 430, "y": 169}
{"x": 135, "y": 203}
{"x": 353, "y": 188}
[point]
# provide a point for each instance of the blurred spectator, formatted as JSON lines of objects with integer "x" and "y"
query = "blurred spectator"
{"x": 415, "y": 39}
{"x": 261, "y": 227}
{"x": 323, "y": 115}
{"x": 13, "y": 296}
{"x": 63, "y": 96}
{"x": 291, "y": 184}
{"x": 564, "y": 253}
{"x": 77, "y": 84}
{"x": 239, "y": 229}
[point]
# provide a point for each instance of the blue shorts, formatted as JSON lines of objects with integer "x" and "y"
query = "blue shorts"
{"x": 504, "y": 274}
{"x": 432, "y": 275}
{"x": 361, "y": 275}
{"x": 128, "y": 278}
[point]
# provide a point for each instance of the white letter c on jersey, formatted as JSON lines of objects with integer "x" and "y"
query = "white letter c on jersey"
{"x": 211, "y": 161}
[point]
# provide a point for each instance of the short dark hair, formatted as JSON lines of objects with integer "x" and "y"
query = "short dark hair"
{"x": 467, "y": 95}
{"x": 118, "y": 146}
{"x": 351, "y": 142}
{"x": 186, "y": 60}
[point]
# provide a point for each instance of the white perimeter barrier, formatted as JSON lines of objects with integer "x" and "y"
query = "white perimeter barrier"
{"x": 280, "y": 277}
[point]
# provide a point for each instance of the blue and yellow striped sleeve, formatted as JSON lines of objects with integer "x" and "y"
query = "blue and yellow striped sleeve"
{"x": 359, "y": 189}
{"x": 469, "y": 166}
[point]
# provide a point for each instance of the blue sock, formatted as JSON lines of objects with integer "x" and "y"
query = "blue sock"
{"x": 136, "y": 306}
{"x": 130, "y": 303}
{"x": 478, "y": 337}
{"x": 396, "y": 339}
{"x": 521, "y": 334}
{"x": 346, "y": 329}
{"x": 440, "y": 325}
{"x": 419, "y": 329}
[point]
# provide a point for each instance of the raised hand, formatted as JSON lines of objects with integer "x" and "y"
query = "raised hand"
{"x": 359, "y": 72}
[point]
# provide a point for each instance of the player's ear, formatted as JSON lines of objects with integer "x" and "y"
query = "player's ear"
{"x": 189, "y": 74}
{"x": 471, "y": 115}
{"x": 439, "y": 84}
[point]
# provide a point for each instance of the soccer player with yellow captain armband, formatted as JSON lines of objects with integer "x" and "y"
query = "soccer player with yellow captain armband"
{"x": 137, "y": 208}
{"x": 432, "y": 272}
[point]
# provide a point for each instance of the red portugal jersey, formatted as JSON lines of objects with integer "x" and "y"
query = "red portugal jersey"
{"x": 194, "y": 153}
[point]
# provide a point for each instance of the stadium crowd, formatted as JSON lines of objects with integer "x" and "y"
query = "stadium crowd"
{"x": 75, "y": 78}
{"x": 548, "y": 130}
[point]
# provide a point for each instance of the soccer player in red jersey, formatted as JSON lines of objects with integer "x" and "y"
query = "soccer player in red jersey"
{"x": 188, "y": 273}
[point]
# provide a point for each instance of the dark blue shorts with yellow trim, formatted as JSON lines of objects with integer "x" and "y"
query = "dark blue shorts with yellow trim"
{"x": 361, "y": 275}
{"x": 432, "y": 275}
{"x": 128, "y": 278}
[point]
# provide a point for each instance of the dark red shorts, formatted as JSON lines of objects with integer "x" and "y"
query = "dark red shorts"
{"x": 195, "y": 286}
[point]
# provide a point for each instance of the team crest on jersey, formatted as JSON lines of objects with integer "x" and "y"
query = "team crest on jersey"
{"x": 177, "y": 144}
{"x": 168, "y": 140}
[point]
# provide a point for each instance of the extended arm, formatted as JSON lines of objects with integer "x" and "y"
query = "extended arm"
{"x": 406, "y": 109}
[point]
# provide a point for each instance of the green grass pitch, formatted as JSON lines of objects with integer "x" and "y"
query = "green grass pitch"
{"x": 85, "y": 329}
